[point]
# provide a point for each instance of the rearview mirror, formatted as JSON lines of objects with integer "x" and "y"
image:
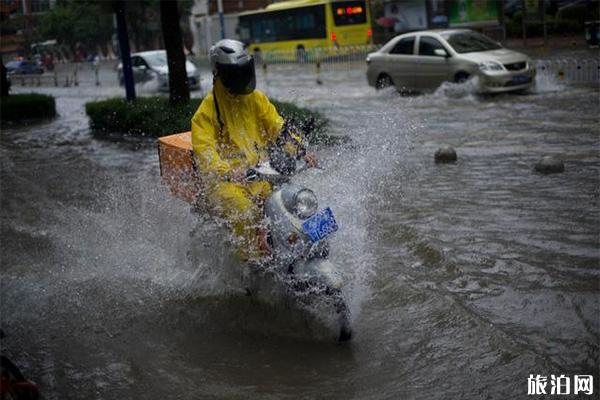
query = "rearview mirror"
{"x": 440, "y": 53}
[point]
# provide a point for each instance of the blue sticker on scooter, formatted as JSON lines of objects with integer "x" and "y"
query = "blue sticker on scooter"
{"x": 320, "y": 225}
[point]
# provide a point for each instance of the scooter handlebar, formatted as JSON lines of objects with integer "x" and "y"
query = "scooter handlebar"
{"x": 251, "y": 175}
{"x": 265, "y": 171}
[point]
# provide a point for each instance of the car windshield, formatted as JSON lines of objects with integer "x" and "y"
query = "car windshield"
{"x": 468, "y": 42}
{"x": 156, "y": 59}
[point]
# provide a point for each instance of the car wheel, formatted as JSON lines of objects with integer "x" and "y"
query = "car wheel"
{"x": 383, "y": 81}
{"x": 461, "y": 77}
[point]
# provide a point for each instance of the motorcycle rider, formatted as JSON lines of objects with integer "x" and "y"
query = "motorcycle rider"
{"x": 232, "y": 130}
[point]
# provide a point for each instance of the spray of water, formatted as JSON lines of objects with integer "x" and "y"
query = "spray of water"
{"x": 151, "y": 85}
{"x": 451, "y": 90}
{"x": 546, "y": 81}
{"x": 348, "y": 181}
{"x": 353, "y": 175}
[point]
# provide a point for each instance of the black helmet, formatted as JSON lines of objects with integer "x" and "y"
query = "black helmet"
{"x": 233, "y": 66}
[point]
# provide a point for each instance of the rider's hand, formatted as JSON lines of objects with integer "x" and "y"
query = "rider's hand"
{"x": 311, "y": 160}
{"x": 237, "y": 174}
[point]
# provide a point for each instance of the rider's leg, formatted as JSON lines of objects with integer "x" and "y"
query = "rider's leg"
{"x": 259, "y": 190}
{"x": 237, "y": 204}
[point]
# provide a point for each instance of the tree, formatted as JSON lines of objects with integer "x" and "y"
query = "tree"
{"x": 143, "y": 23}
{"x": 78, "y": 23}
{"x": 178, "y": 83}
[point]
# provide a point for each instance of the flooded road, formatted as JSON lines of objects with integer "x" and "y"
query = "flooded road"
{"x": 464, "y": 279}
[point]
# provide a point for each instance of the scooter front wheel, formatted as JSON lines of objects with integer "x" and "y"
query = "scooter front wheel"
{"x": 341, "y": 308}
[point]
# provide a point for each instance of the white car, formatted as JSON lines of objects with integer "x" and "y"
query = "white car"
{"x": 148, "y": 65}
{"x": 422, "y": 61}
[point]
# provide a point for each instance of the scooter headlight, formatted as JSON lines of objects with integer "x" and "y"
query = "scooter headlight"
{"x": 305, "y": 203}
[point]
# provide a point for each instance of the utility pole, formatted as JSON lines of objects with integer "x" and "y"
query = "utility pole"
{"x": 221, "y": 17}
{"x": 119, "y": 7}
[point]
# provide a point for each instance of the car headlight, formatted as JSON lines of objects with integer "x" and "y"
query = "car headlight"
{"x": 305, "y": 203}
{"x": 490, "y": 66}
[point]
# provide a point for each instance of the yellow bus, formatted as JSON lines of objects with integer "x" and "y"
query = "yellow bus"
{"x": 305, "y": 25}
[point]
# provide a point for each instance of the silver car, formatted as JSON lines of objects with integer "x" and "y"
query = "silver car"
{"x": 422, "y": 61}
{"x": 148, "y": 65}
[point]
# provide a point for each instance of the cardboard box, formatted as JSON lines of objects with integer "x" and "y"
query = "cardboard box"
{"x": 178, "y": 167}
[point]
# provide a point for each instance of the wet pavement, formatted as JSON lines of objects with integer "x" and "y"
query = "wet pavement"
{"x": 463, "y": 278}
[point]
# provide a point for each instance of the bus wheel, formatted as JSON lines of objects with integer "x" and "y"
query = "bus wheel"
{"x": 383, "y": 81}
{"x": 300, "y": 54}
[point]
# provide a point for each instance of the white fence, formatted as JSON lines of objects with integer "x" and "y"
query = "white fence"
{"x": 68, "y": 75}
{"x": 571, "y": 70}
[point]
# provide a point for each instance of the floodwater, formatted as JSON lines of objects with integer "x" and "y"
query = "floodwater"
{"x": 463, "y": 279}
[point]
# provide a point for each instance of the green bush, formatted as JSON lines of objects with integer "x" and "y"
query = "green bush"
{"x": 154, "y": 117}
{"x": 146, "y": 116}
{"x": 18, "y": 107}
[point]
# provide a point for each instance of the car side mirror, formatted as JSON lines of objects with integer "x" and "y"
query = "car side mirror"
{"x": 441, "y": 53}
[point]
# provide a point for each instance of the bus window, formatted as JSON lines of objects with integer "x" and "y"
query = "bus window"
{"x": 349, "y": 12}
{"x": 292, "y": 24}
{"x": 244, "y": 31}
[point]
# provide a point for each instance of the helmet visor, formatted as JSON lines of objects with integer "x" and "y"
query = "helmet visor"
{"x": 238, "y": 78}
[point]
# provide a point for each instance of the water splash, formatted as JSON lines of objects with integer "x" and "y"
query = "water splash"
{"x": 451, "y": 90}
{"x": 152, "y": 85}
{"x": 546, "y": 82}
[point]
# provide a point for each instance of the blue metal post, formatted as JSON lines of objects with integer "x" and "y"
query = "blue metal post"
{"x": 221, "y": 17}
{"x": 124, "y": 51}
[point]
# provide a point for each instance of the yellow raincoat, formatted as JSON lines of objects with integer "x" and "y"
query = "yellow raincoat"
{"x": 238, "y": 138}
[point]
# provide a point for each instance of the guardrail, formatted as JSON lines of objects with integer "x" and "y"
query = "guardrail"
{"x": 70, "y": 77}
{"x": 320, "y": 55}
{"x": 575, "y": 70}
{"x": 571, "y": 70}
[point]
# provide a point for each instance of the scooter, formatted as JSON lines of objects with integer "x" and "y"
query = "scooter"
{"x": 298, "y": 234}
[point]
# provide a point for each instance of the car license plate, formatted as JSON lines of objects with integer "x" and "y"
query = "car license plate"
{"x": 320, "y": 225}
{"x": 520, "y": 79}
